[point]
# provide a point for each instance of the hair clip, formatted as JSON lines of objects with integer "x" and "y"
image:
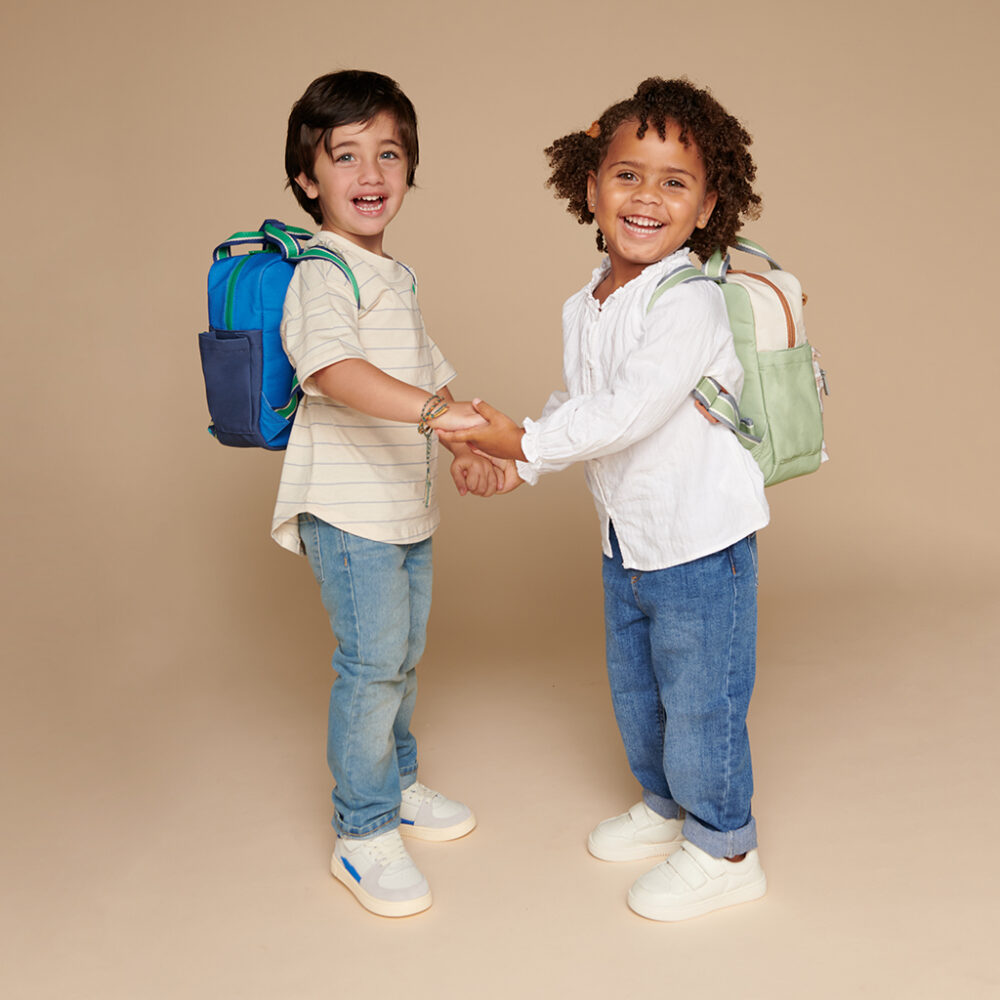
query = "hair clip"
{"x": 595, "y": 130}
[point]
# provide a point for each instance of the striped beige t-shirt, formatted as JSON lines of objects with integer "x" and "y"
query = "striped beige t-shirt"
{"x": 361, "y": 474}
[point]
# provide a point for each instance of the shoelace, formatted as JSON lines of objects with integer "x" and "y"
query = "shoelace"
{"x": 385, "y": 850}
{"x": 417, "y": 793}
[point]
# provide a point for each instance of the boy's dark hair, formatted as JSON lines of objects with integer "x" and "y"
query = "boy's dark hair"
{"x": 343, "y": 98}
{"x": 720, "y": 138}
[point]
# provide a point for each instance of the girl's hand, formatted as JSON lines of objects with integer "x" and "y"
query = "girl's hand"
{"x": 499, "y": 438}
{"x": 458, "y": 417}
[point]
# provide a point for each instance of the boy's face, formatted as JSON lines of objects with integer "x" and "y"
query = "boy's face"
{"x": 361, "y": 183}
{"x": 648, "y": 196}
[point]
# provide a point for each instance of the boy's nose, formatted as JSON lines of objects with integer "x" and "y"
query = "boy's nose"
{"x": 371, "y": 171}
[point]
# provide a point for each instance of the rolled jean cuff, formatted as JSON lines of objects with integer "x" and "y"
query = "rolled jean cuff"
{"x": 718, "y": 843}
{"x": 407, "y": 777}
{"x": 666, "y": 808}
{"x": 382, "y": 825}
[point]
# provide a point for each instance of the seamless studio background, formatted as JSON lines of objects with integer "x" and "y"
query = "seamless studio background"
{"x": 165, "y": 797}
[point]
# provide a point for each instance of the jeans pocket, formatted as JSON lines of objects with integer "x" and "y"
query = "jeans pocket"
{"x": 309, "y": 533}
{"x": 751, "y": 544}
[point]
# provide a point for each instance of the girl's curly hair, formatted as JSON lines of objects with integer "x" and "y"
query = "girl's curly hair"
{"x": 720, "y": 138}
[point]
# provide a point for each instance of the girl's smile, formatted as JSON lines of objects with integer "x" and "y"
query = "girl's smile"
{"x": 647, "y": 196}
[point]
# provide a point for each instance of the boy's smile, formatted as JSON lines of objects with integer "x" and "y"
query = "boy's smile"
{"x": 648, "y": 196}
{"x": 361, "y": 183}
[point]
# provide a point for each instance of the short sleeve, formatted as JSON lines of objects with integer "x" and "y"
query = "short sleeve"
{"x": 319, "y": 325}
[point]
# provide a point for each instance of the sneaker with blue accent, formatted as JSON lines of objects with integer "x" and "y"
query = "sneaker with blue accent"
{"x": 427, "y": 815}
{"x": 381, "y": 874}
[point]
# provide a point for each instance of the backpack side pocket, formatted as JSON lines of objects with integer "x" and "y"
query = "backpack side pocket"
{"x": 231, "y": 361}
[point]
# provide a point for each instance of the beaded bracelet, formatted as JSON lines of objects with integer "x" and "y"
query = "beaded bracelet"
{"x": 433, "y": 408}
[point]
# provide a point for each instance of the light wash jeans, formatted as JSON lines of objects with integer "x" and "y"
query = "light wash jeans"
{"x": 378, "y": 597}
{"x": 681, "y": 649}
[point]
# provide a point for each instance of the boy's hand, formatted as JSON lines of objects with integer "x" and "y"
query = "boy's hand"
{"x": 507, "y": 471}
{"x": 474, "y": 474}
{"x": 460, "y": 416}
{"x": 499, "y": 438}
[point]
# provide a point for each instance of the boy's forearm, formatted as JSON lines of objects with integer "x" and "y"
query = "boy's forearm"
{"x": 367, "y": 389}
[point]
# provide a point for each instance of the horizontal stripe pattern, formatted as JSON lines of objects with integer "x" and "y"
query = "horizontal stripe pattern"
{"x": 363, "y": 474}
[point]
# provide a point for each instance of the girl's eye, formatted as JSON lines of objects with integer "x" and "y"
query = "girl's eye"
{"x": 626, "y": 175}
{"x": 675, "y": 183}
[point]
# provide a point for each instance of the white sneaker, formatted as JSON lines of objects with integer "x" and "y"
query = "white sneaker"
{"x": 427, "y": 815}
{"x": 691, "y": 882}
{"x": 639, "y": 833}
{"x": 381, "y": 874}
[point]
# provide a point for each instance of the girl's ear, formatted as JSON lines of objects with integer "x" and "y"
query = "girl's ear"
{"x": 307, "y": 184}
{"x": 707, "y": 207}
{"x": 591, "y": 191}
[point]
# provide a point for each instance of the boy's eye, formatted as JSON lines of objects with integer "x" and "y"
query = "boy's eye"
{"x": 344, "y": 158}
{"x": 389, "y": 154}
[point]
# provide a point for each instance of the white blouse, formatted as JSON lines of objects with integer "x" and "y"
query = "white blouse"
{"x": 675, "y": 486}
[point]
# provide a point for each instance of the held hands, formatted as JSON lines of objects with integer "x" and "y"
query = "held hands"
{"x": 460, "y": 415}
{"x": 497, "y": 437}
{"x": 473, "y": 471}
{"x": 482, "y": 476}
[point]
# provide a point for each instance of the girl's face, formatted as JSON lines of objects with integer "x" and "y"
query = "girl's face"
{"x": 648, "y": 196}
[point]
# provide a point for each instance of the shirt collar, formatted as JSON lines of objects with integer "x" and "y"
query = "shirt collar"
{"x": 650, "y": 274}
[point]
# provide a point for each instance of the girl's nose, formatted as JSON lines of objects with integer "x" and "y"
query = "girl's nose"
{"x": 649, "y": 192}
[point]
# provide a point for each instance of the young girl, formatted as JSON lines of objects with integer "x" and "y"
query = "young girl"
{"x": 679, "y": 498}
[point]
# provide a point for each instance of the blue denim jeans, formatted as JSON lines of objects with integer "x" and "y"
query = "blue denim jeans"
{"x": 378, "y": 597}
{"x": 681, "y": 648}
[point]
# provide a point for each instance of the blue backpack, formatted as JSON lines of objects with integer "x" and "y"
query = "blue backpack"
{"x": 250, "y": 384}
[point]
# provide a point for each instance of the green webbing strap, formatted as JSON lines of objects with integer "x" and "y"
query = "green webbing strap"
{"x": 224, "y": 250}
{"x": 723, "y": 406}
{"x": 325, "y": 253}
{"x": 289, "y": 408}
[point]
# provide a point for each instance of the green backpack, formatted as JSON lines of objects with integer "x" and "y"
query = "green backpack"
{"x": 779, "y": 416}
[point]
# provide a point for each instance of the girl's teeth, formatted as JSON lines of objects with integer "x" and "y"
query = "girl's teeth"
{"x": 643, "y": 223}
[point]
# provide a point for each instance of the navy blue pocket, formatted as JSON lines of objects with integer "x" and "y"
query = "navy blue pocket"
{"x": 231, "y": 362}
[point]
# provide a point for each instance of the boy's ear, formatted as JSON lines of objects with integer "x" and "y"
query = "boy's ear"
{"x": 707, "y": 207}
{"x": 307, "y": 184}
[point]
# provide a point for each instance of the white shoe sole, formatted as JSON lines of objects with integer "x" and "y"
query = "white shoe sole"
{"x": 632, "y": 852}
{"x": 652, "y": 910}
{"x": 442, "y": 833}
{"x": 382, "y": 907}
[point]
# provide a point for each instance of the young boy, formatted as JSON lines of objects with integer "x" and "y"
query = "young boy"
{"x": 357, "y": 487}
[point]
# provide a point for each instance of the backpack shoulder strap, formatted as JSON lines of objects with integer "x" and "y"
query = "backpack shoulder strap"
{"x": 678, "y": 277}
{"x": 325, "y": 253}
{"x": 722, "y": 405}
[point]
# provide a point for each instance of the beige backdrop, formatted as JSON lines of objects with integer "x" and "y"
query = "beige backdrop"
{"x": 165, "y": 797}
